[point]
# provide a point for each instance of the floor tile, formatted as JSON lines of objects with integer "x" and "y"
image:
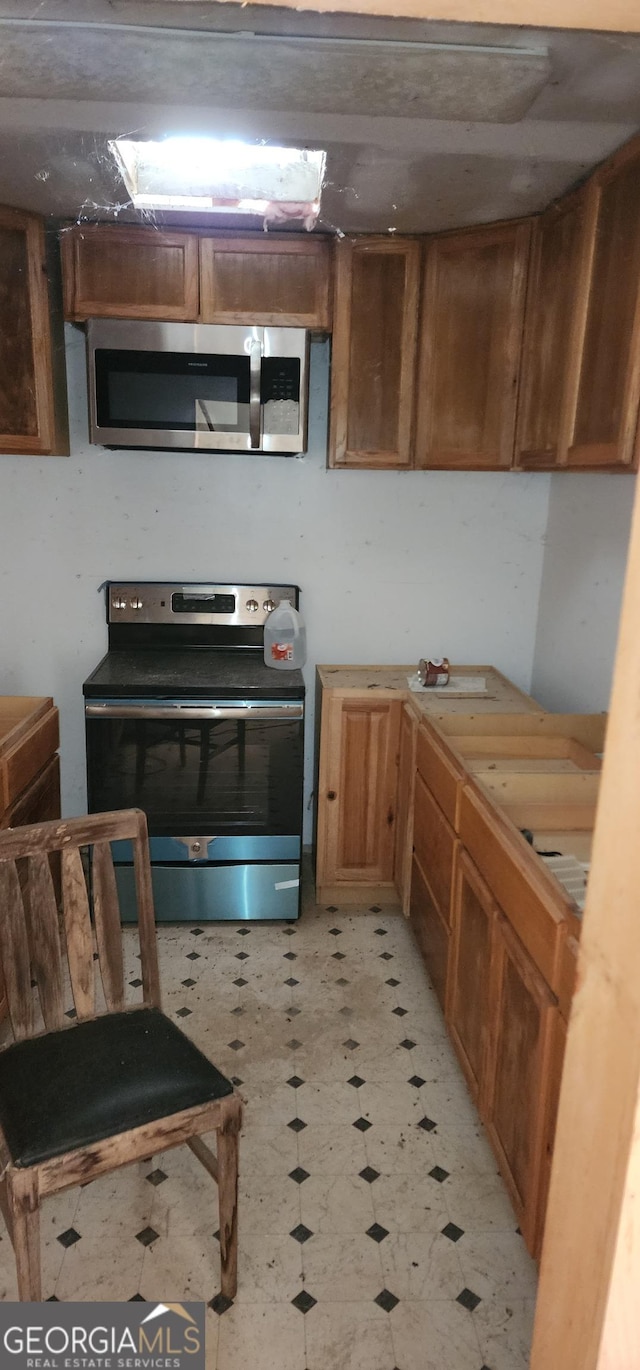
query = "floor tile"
{"x": 342, "y": 1269}
{"x": 338, "y": 1150}
{"x": 261, "y": 1337}
{"x": 421, "y": 1265}
{"x": 269, "y": 1269}
{"x": 505, "y": 1330}
{"x": 497, "y": 1263}
{"x": 410, "y": 1203}
{"x": 348, "y": 1336}
{"x": 336, "y": 1204}
{"x": 435, "y": 1335}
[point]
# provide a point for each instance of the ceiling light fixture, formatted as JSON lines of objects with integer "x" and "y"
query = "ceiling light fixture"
{"x": 213, "y": 175}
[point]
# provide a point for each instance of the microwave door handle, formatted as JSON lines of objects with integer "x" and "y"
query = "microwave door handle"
{"x": 255, "y": 371}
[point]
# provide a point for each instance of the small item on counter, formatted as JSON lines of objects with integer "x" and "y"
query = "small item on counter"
{"x": 433, "y": 672}
{"x": 285, "y": 638}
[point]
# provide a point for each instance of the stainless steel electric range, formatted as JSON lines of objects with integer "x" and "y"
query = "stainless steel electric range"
{"x": 185, "y": 721}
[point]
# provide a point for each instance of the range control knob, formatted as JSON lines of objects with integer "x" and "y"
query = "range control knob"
{"x": 136, "y": 603}
{"x": 269, "y": 605}
{"x": 252, "y": 605}
{"x": 118, "y": 603}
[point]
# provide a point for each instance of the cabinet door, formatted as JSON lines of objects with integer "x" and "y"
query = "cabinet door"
{"x": 374, "y": 351}
{"x": 404, "y": 807}
{"x": 471, "y": 334}
{"x": 129, "y": 273}
{"x": 605, "y": 428}
{"x": 434, "y": 843}
{"x": 551, "y": 1094}
{"x": 33, "y": 413}
{"x": 518, "y": 1074}
{"x": 470, "y": 996}
{"x": 267, "y": 280}
{"x": 357, "y": 790}
{"x": 560, "y": 247}
{"x": 431, "y": 932}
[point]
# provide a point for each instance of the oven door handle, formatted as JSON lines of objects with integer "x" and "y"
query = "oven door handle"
{"x": 193, "y": 712}
{"x": 255, "y": 405}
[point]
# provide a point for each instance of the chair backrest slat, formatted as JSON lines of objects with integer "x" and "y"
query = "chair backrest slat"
{"x": 79, "y": 935}
{"x": 106, "y": 910}
{"x": 14, "y": 950}
{"x": 146, "y": 919}
{"x": 44, "y": 940}
{"x": 33, "y": 936}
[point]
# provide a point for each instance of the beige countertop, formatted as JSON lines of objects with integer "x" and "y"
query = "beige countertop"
{"x": 501, "y": 697}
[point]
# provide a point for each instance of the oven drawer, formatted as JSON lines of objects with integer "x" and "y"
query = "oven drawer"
{"x": 201, "y": 893}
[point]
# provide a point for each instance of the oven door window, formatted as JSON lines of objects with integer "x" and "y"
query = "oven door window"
{"x": 172, "y": 391}
{"x": 227, "y": 777}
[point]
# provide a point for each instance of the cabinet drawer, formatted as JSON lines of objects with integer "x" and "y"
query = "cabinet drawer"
{"x": 40, "y": 803}
{"x": 531, "y": 899}
{"x": 434, "y": 844}
{"x": 439, "y": 770}
{"x": 432, "y": 935}
{"x": 19, "y": 766}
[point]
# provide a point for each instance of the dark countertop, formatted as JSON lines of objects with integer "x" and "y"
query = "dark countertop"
{"x": 199, "y": 672}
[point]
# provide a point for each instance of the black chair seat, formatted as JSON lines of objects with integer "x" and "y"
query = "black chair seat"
{"x": 76, "y": 1087}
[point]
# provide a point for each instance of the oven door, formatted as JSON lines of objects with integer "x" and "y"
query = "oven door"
{"x": 228, "y": 769}
{"x": 221, "y": 785}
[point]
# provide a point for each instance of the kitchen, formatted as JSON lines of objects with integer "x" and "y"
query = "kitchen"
{"x": 521, "y": 570}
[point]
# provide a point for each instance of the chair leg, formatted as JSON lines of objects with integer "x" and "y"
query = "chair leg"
{"x": 24, "y": 1207}
{"x": 227, "y": 1147}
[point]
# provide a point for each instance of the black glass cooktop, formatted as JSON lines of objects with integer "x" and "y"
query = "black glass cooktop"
{"x": 198, "y": 673}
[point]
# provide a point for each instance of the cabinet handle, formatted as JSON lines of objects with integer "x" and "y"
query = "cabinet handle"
{"x": 331, "y": 794}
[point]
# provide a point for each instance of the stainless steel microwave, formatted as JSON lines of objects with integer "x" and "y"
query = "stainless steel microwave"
{"x": 202, "y": 387}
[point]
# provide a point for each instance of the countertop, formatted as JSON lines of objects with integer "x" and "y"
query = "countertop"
{"x": 388, "y": 681}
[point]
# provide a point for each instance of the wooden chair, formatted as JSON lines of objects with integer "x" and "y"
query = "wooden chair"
{"x": 79, "y": 1099}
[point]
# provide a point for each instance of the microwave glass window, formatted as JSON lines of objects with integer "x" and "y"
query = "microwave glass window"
{"x": 172, "y": 392}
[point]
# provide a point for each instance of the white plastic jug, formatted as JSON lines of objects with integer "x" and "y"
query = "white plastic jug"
{"x": 285, "y": 638}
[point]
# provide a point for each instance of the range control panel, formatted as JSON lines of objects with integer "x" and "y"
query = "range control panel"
{"x": 235, "y": 605}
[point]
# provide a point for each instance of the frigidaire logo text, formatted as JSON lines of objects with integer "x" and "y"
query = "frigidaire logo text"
{"x": 167, "y": 1338}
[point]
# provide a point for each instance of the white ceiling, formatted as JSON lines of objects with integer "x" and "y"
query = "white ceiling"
{"x": 427, "y": 125}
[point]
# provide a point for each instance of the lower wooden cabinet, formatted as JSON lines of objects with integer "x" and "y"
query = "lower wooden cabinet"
{"x": 470, "y": 1006}
{"x": 357, "y": 788}
{"x": 518, "y": 1080}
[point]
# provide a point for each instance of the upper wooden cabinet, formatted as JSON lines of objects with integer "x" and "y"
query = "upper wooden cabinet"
{"x": 267, "y": 280}
{"x": 471, "y": 333}
{"x": 375, "y": 322}
{"x": 604, "y": 428}
{"x": 33, "y": 405}
{"x": 560, "y": 256}
{"x": 129, "y": 273}
{"x": 111, "y": 271}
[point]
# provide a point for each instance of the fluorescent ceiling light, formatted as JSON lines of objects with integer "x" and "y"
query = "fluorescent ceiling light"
{"x": 207, "y": 174}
